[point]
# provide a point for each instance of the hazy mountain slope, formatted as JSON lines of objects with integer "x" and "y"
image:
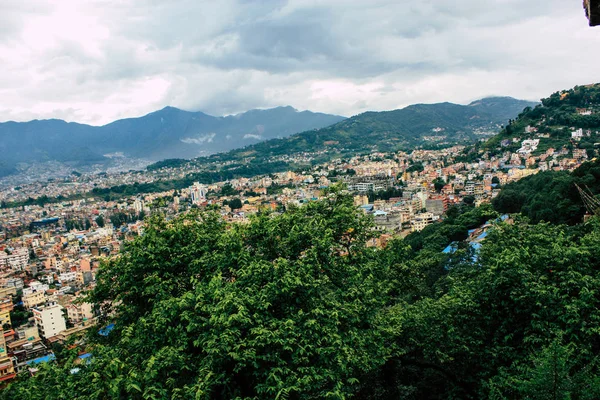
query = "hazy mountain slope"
{"x": 501, "y": 109}
{"x": 166, "y": 133}
{"x": 416, "y": 125}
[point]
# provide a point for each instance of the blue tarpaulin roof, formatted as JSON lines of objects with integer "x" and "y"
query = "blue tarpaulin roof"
{"x": 451, "y": 248}
{"x": 106, "y": 330}
{"x": 482, "y": 236}
{"x": 43, "y": 359}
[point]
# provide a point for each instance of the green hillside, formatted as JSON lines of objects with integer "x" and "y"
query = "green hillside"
{"x": 553, "y": 122}
{"x": 550, "y": 196}
{"x": 443, "y": 124}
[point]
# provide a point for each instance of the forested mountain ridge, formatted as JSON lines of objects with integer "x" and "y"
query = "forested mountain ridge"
{"x": 442, "y": 124}
{"x": 166, "y": 133}
{"x": 174, "y": 133}
{"x": 564, "y": 119}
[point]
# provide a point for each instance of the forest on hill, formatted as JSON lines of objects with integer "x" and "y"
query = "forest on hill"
{"x": 298, "y": 306}
{"x": 553, "y": 122}
{"x": 429, "y": 125}
{"x": 551, "y": 196}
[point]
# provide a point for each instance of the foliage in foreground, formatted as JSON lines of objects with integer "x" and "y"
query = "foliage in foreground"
{"x": 550, "y": 196}
{"x": 297, "y": 306}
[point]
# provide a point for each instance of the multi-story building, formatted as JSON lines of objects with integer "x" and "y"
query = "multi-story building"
{"x": 34, "y": 299}
{"x": 49, "y": 320}
{"x": 26, "y": 350}
{"x": 198, "y": 193}
{"x": 7, "y": 370}
{"x": 16, "y": 261}
{"x": 6, "y": 306}
{"x": 420, "y": 221}
{"x": 436, "y": 206}
{"x": 77, "y": 313}
{"x": 67, "y": 277}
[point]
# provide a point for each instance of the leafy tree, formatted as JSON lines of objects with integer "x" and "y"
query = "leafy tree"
{"x": 235, "y": 204}
{"x": 438, "y": 184}
{"x": 298, "y": 306}
{"x": 100, "y": 221}
{"x": 417, "y": 167}
{"x": 228, "y": 190}
{"x": 551, "y": 195}
{"x": 531, "y": 285}
{"x": 286, "y": 306}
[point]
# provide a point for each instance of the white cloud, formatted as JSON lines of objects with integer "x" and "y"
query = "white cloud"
{"x": 208, "y": 138}
{"x": 252, "y": 136}
{"x": 100, "y": 60}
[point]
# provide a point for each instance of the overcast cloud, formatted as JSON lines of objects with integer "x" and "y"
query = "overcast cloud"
{"x": 96, "y": 61}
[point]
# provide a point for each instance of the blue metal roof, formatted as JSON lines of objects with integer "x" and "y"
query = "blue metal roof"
{"x": 106, "y": 330}
{"x": 47, "y": 358}
{"x": 451, "y": 248}
{"x": 367, "y": 207}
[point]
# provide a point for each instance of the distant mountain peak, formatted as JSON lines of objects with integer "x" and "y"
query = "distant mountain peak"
{"x": 166, "y": 133}
{"x": 496, "y": 99}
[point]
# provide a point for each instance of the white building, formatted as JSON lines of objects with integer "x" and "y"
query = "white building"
{"x": 578, "y": 134}
{"x": 198, "y": 193}
{"x": 49, "y": 320}
{"x": 35, "y": 286}
{"x": 67, "y": 277}
{"x": 17, "y": 260}
{"x": 529, "y": 145}
{"x": 138, "y": 205}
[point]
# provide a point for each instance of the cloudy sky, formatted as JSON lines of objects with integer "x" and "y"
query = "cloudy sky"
{"x": 95, "y": 61}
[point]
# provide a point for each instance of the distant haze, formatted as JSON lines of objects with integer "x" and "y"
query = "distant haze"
{"x": 95, "y": 62}
{"x": 166, "y": 133}
{"x": 175, "y": 133}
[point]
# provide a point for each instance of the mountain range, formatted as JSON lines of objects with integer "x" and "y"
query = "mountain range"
{"x": 174, "y": 133}
{"x": 166, "y": 133}
{"x": 442, "y": 124}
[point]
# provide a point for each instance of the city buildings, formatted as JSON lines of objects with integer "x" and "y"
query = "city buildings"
{"x": 49, "y": 320}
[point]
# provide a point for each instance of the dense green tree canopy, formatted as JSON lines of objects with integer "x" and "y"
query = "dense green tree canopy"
{"x": 550, "y": 196}
{"x": 297, "y": 306}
